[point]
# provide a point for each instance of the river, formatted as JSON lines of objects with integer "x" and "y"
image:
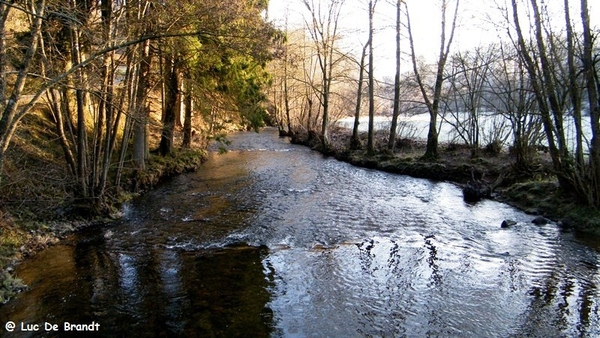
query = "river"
{"x": 275, "y": 240}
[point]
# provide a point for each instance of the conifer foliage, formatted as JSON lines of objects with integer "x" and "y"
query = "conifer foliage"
{"x": 105, "y": 69}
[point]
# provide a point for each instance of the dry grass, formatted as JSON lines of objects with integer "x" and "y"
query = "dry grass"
{"x": 37, "y": 190}
{"x": 35, "y": 180}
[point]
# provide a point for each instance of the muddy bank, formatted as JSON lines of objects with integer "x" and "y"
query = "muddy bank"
{"x": 27, "y": 233}
{"x": 533, "y": 190}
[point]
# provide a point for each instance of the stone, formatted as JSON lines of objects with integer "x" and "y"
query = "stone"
{"x": 507, "y": 223}
{"x": 475, "y": 192}
{"x": 540, "y": 220}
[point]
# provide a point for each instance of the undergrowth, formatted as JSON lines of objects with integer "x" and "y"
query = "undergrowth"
{"x": 37, "y": 194}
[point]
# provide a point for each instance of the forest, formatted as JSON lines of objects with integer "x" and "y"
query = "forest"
{"x": 101, "y": 100}
{"x": 103, "y": 75}
{"x": 105, "y": 104}
{"x": 530, "y": 90}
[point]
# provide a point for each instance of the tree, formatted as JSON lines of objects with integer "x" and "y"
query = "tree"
{"x": 370, "y": 143}
{"x": 592, "y": 85}
{"x": 355, "y": 142}
{"x": 80, "y": 62}
{"x": 433, "y": 100}
{"x": 396, "y": 108}
{"x": 544, "y": 62}
{"x": 323, "y": 28}
{"x": 10, "y": 112}
{"x": 508, "y": 93}
{"x": 467, "y": 78}
{"x": 171, "y": 84}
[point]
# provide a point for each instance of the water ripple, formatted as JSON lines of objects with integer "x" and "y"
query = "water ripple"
{"x": 277, "y": 238}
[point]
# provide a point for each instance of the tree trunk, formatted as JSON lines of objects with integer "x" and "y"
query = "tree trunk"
{"x": 574, "y": 92}
{"x": 591, "y": 83}
{"x": 536, "y": 84}
{"x": 325, "y": 121}
{"x": 131, "y": 81}
{"x": 107, "y": 102}
{"x": 4, "y": 10}
{"x": 396, "y": 110}
{"x": 309, "y": 104}
{"x": 355, "y": 143}
{"x": 433, "y": 103}
{"x": 59, "y": 124}
{"x": 171, "y": 93}
{"x": 82, "y": 165}
{"x": 9, "y": 118}
{"x": 286, "y": 94}
{"x": 142, "y": 111}
{"x": 187, "y": 121}
{"x": 370, "y": 142}
{"x": 550, "y": 88}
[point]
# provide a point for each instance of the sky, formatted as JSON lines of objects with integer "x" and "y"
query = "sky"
{"x": 480, "y": 23}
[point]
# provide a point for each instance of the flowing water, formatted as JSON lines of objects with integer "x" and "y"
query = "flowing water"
{"x": 272, "y": 239}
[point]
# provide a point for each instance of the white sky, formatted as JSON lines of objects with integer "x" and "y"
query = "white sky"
{"x": 480, "y": 23}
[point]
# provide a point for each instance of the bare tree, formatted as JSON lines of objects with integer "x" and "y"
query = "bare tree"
{"x": 592, "y": 85}
{"x": 10, "y": 114}
{"x": 370, "y": 143}
{"x": 468, "y": 75}
{"x": 508, "y": 93}
{"x": 396, "y": 108}
{"x": 544, "y": 62}
{"x": 355, "y": 143}
{"x": 433, "y": 100}
{"x": 575, "y": 92}
{"x": 323, "y": 28}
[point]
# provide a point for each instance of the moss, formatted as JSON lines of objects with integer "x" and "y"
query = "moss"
{"x": 160, "y": 168}
{"x": 9, "y": 286}
{"x": 539, "y": 195}
{"x": 546, "y": 198}
{"x": 10, "y": 242}
{"x": 583, "y": 218}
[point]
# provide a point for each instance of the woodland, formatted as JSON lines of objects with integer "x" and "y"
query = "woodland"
{"x": 530, "y": 93}
{"x": 100, "y": 100}
{"x": 105, "y": 74}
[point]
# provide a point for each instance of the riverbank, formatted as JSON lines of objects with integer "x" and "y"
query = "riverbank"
{"x": 534, "y": 190}
{"x": 37, "y": 203}
{"x": 24, "y": 233}
{"x": 261, "y": 236}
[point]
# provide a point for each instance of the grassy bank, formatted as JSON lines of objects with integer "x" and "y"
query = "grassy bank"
{"x": 37, "y": 202}
{"x": 533, "y": 190}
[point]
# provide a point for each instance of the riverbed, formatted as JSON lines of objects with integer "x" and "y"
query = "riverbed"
{"x": 274, "y": 240}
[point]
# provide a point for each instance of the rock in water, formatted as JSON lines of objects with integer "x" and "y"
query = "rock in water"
{"x": 475, "y": 192}
{"x": 507, "y": 223}
{"x": 540, "y": 220}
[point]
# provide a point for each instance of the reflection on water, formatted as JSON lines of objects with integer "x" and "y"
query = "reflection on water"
{"x": 160, "y": 293}
{"x": 272, "y": 239}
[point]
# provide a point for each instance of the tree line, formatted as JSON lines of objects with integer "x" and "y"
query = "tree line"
{"x": 538, "y": 85}
{"x": 100, "y": 68}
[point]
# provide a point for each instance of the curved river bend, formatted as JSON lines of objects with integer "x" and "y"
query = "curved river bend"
{"x": 272, "y": 239}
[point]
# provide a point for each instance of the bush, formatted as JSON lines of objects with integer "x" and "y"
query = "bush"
{"x": 493, "y": 148}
